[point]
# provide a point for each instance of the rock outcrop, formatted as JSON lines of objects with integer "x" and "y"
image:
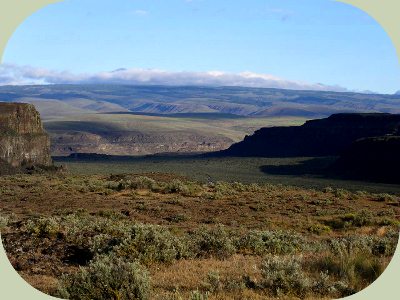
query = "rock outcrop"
{"x": 323, "y": 137}
{"x": 23, "y": 142}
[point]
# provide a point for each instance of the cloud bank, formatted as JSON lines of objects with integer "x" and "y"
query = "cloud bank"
{"x": 11, "y": 74}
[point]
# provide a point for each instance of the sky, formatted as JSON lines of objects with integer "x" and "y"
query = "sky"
{"x": 297, "y": 44}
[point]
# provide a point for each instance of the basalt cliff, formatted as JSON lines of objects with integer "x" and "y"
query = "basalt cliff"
{"x": 23, "y": 142}
{"x": 323, "y": 137}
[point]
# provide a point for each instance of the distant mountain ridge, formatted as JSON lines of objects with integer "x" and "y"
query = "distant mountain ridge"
{"x": 322, "y": 137}
{"x": 61, "y": 100}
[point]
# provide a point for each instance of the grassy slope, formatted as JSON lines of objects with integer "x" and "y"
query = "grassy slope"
{"x": 234, "y": 128}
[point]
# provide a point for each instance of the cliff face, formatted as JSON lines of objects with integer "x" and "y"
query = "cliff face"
{"x": 23, "y": 142}
{"x": 324, "y": 137}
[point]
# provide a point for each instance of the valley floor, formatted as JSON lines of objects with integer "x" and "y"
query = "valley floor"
{"x": 306, "y": 172}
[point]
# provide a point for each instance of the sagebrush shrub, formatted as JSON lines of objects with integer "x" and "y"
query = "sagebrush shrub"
{"x": 319, "y": 229}
{"x": 105, "y": 278}
{"x": 143, "y": 182}
{"x": 326, "y": 285}
{"x": 43, "y": 227}
{"x": 98, "y": 234}
{"x": 284, "y": 275}
{"x": 271, "y": 242}
{"x": 187, "y": 188}
{"x": 213, "y": 282}
{"x": 213, "y": 241}
{"x": 152, "y": 243}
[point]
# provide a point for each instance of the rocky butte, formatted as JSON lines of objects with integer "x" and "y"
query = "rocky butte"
{"x": 23, "y": 141}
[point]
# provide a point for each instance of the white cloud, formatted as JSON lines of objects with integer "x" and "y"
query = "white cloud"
{"x": 11, "y": 74}
{"x": 140, "y": 12}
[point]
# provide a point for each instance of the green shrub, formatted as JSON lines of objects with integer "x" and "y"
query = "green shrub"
{"x": 152, "y": 243}
{"x": 271, "y": 242}
{"x": 175, "y": 186}
{"x": 214, "y": 241}
{"x": 213, "y": 196}
{"x": 388, "y": 222}
{"x": 213, "y": 282}
{"x": 362, "y": 218}
{"x": 323, "y": 284}
{"x": 284, "y": 275}
{"x": 143, "y": 182}
{"x": 140, "y": 182}
{"x": 98, "y": 234}
{"x": 43, "y": 227}
{"x": 192, "y": 189}
{"x": 384, "y": 197}
{"x": 326, "y": 285}
{"x": 328, "y": 189}
{"x": 225, "y": 188}
{"x": 93, "y": 185}
{"x": 188, "y": 188}
{"x": 340, "y": 193}
{"x": 114, "y": 185}
{"x": 384, "y": 246}
{"x": 319, "y": 229}
{"x": 350, "y": 245}
{"x": 107, "y": 278}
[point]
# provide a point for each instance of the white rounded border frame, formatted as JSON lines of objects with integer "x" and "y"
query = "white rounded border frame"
{"x": 14, "y": 12}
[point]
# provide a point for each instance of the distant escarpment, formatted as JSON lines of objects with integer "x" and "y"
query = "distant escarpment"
{"x": 376, "y": 159}
{"x": 65, "y": 143}
{"x": 324, "y": 137}
{"x": 23, "y": 142}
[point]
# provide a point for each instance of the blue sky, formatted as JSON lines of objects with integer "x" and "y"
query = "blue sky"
{"x": 292, "y": 41}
